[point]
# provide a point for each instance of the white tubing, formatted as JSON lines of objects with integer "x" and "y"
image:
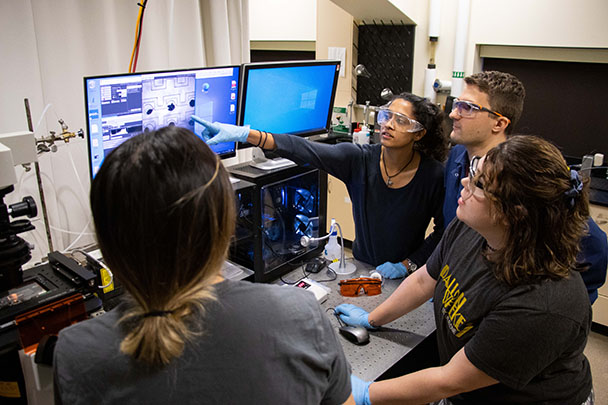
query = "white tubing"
{"x": 460, "y": 46}
{"x": 434, "y": 18}
{"x": 429, "y": 79}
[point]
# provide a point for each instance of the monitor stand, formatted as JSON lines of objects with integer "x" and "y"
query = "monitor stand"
{"x": 261, "y": 162}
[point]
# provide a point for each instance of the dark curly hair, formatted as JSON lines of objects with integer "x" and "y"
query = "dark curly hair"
{"x": 544, "y": 205}
{"x": 505, "y": 93}
{"x": 434, "y": 143}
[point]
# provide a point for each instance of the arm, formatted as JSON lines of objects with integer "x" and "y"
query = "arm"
{"x": 431, "y": 384}
{"x": 411, "y": 293}
{"x": 338, "y": 160}
{"x": 264, "y": 140}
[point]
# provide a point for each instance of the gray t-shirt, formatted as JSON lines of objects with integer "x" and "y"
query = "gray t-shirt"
{"x": 529, "y": 337}
{"x": 262, "y": 344}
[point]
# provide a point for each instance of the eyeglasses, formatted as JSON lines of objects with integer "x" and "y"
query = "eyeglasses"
{"x": 474, "y": 187}
{"x": 466, "y": 109}
{"x": 402, "y": 121}
{"x": 362, "y": 285}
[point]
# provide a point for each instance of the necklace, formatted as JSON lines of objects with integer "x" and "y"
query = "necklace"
{"x": 389, "y": 182}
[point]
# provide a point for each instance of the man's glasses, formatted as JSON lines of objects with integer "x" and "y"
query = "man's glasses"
{"x": 362, "y": 285}
{"x": 402, "y": 121}
{"x": 466, "y": 109}
{"x": 474, "y": 187}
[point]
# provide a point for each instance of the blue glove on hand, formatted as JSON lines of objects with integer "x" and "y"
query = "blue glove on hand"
{"x": 214, "y": 133}
{"x": 360, "y": 390}
{"x": 392, "y": 270}
{"x": 353, "y": 315}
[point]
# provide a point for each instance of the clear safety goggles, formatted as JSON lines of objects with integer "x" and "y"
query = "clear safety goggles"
{"x": 474, "y": 187}
{"x": 401, "y": 121}
{"x": 467, "y": 109}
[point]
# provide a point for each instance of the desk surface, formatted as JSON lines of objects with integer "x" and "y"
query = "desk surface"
{"x": 388, "y": 344}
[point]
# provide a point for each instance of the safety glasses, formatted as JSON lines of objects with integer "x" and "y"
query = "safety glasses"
{"x": 467, "y": 109}
{"x": 359, "y": 286}
{"x": 475, "y": 187}
{"x": 402, "y": 121}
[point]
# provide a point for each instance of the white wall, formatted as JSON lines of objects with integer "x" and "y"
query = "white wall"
{"x": 540, "y": 23}
{"x": 280, "y": 20}
{"x": 47, "y": 48}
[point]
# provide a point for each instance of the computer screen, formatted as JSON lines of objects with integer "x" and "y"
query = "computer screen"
{"x": 289, "y": 97}
{"x": 121, "y": 106}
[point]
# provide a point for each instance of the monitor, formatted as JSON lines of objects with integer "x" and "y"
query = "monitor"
{"x": 121, "y": 106}
{"x": 289, "y": 97}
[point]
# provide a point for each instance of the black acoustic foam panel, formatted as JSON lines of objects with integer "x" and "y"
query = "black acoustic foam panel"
{"x": 387, "y": 51}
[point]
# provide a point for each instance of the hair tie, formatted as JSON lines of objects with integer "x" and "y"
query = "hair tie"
{"x": 576, "y": 187}
{"x": 154, "y": 313}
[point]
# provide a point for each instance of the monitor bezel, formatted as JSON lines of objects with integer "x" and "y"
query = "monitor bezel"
{"x": 225, "y": 155}
{"x": 247, "y": 67}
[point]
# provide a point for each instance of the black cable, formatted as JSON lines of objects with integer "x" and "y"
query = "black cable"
{"x": 340, "y": 321}
{"x": 329, "y": 279}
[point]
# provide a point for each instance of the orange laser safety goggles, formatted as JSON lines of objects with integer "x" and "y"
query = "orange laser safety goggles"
{"x": 362, "y": 285}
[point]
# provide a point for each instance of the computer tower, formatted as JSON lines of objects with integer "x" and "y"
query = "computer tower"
{"x": 274, "y": 213}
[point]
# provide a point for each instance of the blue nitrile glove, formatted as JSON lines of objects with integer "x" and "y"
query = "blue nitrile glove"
{"x": 216, "y": 132}
{"x": 392, "y": 270}
{"x": 360, "y": 390}
{"x": 353, "y": 315}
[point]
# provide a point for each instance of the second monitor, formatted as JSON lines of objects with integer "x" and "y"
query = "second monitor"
{"x": 289, "y": 97}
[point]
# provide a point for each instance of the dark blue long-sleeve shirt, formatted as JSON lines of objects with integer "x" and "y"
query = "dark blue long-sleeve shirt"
{"x": 390, "y": 224}
{"x": 594, "y": 245}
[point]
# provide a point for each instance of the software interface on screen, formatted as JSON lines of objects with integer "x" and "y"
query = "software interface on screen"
{"x": 119, "y": 107}
{"x": 289, "y": 99}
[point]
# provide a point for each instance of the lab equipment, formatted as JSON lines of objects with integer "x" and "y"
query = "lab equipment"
{"x": 386, "y": 94}
{"x": 52, "y": 296}
{"x": 275, "y": 211}
{"x": 121, "y": 106}
{"x": 341, "y": 266}
{"x": 442, "y": 86}
{"x": 15, "y": 148}
{"x": 319, "y": 290}
{"x": 361, "y": 70}
{"x": 331, "y": 251}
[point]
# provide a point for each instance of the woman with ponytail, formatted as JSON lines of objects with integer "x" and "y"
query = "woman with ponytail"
{"x": 164, "y": 215}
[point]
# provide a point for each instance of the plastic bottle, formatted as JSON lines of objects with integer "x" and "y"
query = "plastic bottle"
{"x": 364, "y": 135}
{"x": 332, "y": 248}
{"x": 356, "y": 135}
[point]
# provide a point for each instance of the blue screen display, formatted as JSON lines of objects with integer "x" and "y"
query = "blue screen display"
{"x": 119, "y": 107}
{"x": 289, "y": 99}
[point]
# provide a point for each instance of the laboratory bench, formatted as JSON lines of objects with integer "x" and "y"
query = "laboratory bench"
{"x": 404, "y": 345}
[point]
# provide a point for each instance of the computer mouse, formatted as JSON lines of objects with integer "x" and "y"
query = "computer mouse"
{"x": 356, "y": 334}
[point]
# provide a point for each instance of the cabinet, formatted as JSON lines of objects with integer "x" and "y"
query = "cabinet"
{"x": 274, "y": 213}
{"x": 600, "y": 306}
